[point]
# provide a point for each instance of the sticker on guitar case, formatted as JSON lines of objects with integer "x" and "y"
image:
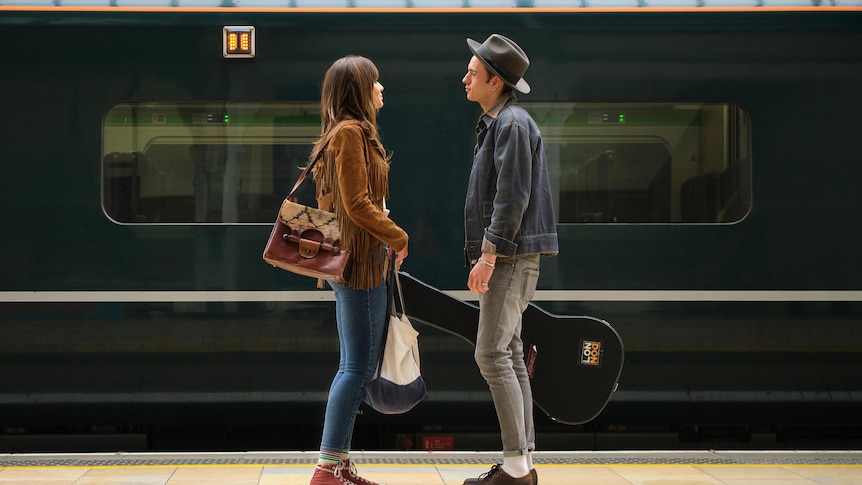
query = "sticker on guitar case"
{"x": 591, "y": 353}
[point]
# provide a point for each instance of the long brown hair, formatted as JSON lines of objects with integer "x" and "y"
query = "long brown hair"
{"x": 348, "y": 94}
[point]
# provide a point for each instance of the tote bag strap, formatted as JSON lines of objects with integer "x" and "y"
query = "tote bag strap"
{"x": 415, "y": 348}
{"x": 400, "y": 294}
{"x": 391, "y": 275}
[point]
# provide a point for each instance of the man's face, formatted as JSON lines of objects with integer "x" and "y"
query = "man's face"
{"x": 477, "y": 84}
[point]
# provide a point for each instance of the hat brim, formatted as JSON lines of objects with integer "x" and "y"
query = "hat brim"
{"x": 521, "y": 85}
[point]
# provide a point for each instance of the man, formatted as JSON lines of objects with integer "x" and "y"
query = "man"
{"x": 509, "y": 222}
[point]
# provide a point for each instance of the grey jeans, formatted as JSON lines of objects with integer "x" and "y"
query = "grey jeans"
{"x": 500, "y": 351}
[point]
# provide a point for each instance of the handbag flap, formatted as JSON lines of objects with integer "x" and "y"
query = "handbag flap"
{"x": 301, "y": 218}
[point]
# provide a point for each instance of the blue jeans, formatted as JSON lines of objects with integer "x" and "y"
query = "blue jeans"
{"x": 360, "y": 316}
{"x": 500, "y": 351}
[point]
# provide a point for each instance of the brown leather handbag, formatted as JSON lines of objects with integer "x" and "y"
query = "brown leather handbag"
{"x": 307, "y": 241}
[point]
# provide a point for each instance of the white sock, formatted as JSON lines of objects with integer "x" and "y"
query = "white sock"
{"x": 530, "y": 460}
{"x": 327, "y": 458}
{"x": 516, "y": 466}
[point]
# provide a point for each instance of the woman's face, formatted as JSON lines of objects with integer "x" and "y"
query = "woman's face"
{"x": 378, "y": 95}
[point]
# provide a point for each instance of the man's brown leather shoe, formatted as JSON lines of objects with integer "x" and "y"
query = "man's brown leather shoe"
{"x": 498, "y": 477}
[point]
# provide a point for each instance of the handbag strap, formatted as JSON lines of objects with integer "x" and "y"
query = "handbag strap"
{"x": 303, "y": 174}
{"x": 313, "y": 162}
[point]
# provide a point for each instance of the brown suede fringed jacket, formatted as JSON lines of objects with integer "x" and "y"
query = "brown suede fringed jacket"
{"x": 352, "y": 180}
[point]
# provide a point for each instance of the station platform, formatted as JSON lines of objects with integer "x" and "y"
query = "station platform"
{"x": 439, "y": 468}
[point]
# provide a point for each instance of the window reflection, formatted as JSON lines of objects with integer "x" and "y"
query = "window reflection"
{"x": 647, "y": 162}
{"x": 202, "y": 162}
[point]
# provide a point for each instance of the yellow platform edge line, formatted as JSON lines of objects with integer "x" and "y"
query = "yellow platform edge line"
{"x": 426, "y": 10}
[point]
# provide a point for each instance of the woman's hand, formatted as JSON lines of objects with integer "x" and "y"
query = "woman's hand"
{"x": 400, "y": 256}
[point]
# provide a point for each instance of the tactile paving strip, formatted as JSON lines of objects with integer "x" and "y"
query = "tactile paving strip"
{"x": 717, "y": 458}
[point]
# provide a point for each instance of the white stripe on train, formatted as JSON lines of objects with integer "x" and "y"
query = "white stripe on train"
{"x": 327, "y": 295}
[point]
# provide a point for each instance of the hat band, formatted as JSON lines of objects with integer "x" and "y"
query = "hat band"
{"x": 507, "y": 75}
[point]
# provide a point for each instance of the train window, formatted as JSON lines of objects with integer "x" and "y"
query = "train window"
{"x": 647, "y": 162}
{"x": 204, "y": 163}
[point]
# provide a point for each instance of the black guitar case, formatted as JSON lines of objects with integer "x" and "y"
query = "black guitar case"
{"x": 575, "y": 362}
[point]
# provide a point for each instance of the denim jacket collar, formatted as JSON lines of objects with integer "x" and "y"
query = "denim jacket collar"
{"x": 490, "y": 115}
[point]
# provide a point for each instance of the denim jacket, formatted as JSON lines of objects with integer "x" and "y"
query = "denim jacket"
{"x": 509, "y": 208}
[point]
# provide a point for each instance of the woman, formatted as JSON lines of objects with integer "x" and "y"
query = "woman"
{"x": 352, "y": 181}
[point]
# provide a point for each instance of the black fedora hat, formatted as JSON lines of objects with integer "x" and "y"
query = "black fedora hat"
{"x": 504, "y": 58}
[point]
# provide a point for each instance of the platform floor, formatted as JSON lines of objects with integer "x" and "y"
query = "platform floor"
{"x": 438, "y": 468}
